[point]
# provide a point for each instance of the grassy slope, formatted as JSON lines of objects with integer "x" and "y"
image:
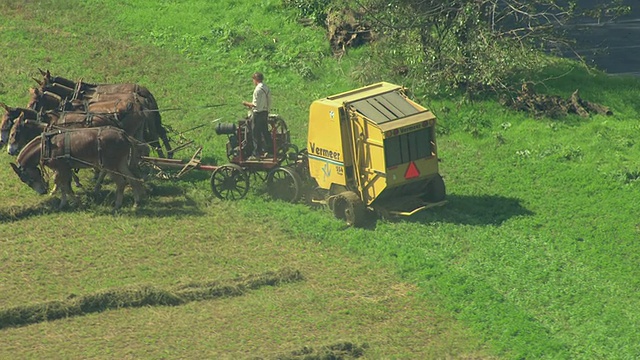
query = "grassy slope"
{"x": 182, "y": 234}
{"x": 536, "y": 249}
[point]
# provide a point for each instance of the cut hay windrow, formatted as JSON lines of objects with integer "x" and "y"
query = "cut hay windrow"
{"x": 342, "y": 350}
{"x": 139, "y": 296}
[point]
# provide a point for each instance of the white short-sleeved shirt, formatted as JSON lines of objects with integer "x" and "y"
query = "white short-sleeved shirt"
{"x": 261, "y": 98}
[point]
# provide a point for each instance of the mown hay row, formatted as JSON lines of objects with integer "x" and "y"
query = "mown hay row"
{"x": 338, "y": 351}
{"x": 139, "y": 296}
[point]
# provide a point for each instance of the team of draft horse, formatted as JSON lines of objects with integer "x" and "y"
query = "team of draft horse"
{"x": 69, "y": 125}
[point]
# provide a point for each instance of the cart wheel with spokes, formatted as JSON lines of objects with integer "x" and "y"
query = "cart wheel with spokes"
{"x": 230, "y": 182}
{"x": 279, "y": 127}
{"x": 284, "y": 184}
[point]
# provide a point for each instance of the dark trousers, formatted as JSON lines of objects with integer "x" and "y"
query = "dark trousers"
{"x": 260, "y": 133}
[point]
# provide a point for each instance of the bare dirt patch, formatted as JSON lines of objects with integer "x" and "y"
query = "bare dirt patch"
{"x": 346, "y": 29}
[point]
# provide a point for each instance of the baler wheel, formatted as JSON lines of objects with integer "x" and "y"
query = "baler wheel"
{"x": 436, "y": 190}
{"x": 349, "y": 207}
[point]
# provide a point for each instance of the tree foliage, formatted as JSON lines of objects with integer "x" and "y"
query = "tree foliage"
{"x": 315, "y": 10}
{"x": 473, "y": 45}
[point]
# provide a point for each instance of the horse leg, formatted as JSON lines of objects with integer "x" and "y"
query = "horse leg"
{"x": 120, "y": 184}
{"x": 130, "y": 173}
{"x": 62, "y": 180}
{"x": 76, "y": 179}
{"x": 138, "y": 191}
{"x": 56, "y": 188}
{"x": 99, "y": 175}
{"x": 74, "y": 176}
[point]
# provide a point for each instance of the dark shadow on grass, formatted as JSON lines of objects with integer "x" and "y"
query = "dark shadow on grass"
{"x": 473, "y": 210}
{"x": 485, "y": 210}
{"x": 197, "y": 176}
{"x": 46, "y": 206}
{"x": 166, "y": 199}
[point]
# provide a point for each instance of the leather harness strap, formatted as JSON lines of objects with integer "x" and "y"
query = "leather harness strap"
{"x": 67, "y": 145}
{"x": 99, "y": 141}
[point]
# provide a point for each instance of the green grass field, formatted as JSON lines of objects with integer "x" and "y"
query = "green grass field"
{"x": 534, "y": 256}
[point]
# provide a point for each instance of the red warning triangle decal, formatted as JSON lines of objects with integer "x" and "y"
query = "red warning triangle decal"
{"x": 412, "y": 171}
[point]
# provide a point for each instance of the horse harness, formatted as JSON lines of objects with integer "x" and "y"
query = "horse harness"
{"x": 48, "y": 154}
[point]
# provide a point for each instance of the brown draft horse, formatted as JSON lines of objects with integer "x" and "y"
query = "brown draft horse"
{"x": 8, "y": 119}
{"x": 68, "y": 89}
{"x": 30, "y": 124}
{"x": 26, "y": 129}
{"x": 131, "y": 108}
{"x": 106, "y": 148}
{"x": 87, "y": 90}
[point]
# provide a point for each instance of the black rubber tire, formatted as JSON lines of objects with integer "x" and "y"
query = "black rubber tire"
{"x": 436, "y": 190}
{"x": 349, "y": 207}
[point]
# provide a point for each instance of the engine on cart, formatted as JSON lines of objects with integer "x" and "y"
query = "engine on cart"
{"x": 240, "y": 143}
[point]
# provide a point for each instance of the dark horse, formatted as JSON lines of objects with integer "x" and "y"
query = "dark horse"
{"x": 8, "y": 119}
{"x": 29, "y": 124}
{"x": 68, "y": 89}
{"x": 108, "y": 149}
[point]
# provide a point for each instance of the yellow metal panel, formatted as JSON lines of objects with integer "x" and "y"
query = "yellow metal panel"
{"x": 369, "y": 157}
{"x": 354, "y": 144}
{"x": 325, "y": 145}
{"x": 408, "y": 121}
{"x": 426, "y": 168}
{"x": 363, "y": 92}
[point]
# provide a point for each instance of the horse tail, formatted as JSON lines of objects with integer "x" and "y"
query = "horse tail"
{"x": 154, "y": 128}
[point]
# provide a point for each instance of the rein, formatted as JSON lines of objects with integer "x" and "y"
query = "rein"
{"x": 191, "y": 107}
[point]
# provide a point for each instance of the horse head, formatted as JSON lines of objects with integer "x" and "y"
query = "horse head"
{"x": 31, "y": 176}
{"x": 23, "y": 131}
{"x": 43, "y": 100}
{"x": 7, "y": 122}
{"x": 60, "y": 89}
{"x": 49, "y": 80}
{"x": 35, "y": 98}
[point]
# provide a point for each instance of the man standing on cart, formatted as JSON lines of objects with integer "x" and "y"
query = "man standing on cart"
{"x": 259, "y": 107}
